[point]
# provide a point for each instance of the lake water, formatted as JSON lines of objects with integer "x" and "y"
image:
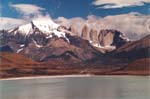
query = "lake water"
{"x": 101, "y": 87}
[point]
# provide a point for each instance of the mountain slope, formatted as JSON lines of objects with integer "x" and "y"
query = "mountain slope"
{"x": 135, "y": 49}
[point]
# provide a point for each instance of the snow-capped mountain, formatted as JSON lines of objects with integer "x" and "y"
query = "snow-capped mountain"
{"x": 42, "y": 39}
{"x": 105, "y": 39}
{"x": 40, "y": 26}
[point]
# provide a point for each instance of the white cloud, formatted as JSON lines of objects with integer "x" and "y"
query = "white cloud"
{"x": 134, "y": 25}
{"x": 77, "y": 23}
{"x": 106, "y": 4}
{"x": 28, "y": 10}
{"x": 8, "y": 23}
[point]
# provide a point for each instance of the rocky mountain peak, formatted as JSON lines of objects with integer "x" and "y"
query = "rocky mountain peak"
{"x": 110, "y": 37}
{"x": 85, "y": 32}
{"x": 93, "y": 34}
{"x": 73, "y": 30}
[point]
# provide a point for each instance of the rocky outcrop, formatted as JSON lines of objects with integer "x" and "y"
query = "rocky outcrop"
{"x": 106, "y": 40}
{"x": 72, "y": 30}
{"x": 93, "y": 34}
{"x": 85, "y": 32}
{"x": 111, "y": 38}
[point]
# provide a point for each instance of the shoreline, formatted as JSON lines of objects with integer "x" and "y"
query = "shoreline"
{"x": 42, "y": 77}
{"x": 62, "y": 76}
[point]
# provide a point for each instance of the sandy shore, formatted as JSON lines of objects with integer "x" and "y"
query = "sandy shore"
{"x": 62, "y": 76}
{"x": 43, "y": 77}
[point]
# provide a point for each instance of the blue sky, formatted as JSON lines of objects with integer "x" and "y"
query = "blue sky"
{"x": 75, "y": 8}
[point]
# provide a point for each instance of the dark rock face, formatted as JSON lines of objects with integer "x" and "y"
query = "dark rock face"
{"x": 5, "y": 48}
{"x": 106, "y": 40}
{"x": 111, "y": 38}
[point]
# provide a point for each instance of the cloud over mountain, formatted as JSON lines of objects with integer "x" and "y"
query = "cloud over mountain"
{"x": 8, "y": 23}
{"x": 134, "y": 25}
{"x": 28, "y": 13}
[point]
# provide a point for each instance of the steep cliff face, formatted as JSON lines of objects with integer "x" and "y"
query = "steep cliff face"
{"x": 93, "y": 34}
{"x": 85, "y": 32}
{"x": 105, "y": 40}
{"x": 112, "y": 38}
{"x": 73, "y": 31}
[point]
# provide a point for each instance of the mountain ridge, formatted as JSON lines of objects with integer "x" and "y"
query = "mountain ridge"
{"x": 59, "y": 50}
{"x": 38, "y": 35}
